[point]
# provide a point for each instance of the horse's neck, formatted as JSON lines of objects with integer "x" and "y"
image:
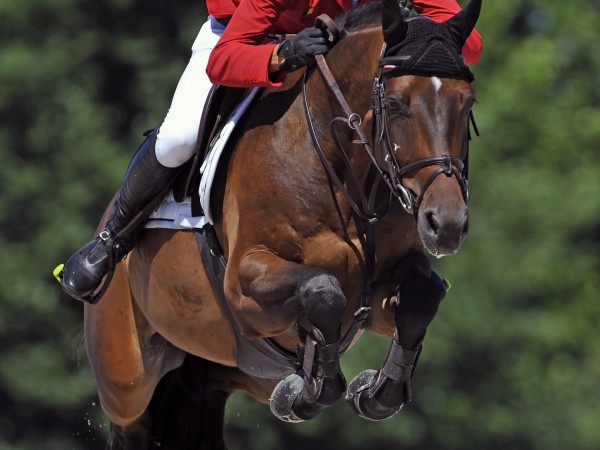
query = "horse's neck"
{"x": 353, "y": 63}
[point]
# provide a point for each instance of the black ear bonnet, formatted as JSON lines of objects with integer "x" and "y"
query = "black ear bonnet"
{"x": 417, "y": 45}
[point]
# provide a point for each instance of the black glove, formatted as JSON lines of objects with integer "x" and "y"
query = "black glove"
{"x": 299, "y": 51}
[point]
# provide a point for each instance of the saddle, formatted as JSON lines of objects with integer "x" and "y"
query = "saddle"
{"x": 219, "y": 105}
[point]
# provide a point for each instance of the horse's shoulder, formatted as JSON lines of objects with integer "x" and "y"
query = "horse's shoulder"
{"x": 290, "y": 81}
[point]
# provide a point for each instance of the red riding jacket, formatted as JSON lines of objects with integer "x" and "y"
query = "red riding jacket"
{"x": 240, "y": 60}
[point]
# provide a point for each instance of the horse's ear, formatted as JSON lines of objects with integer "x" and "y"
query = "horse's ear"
{"x": 393, "y": 22}
{"x": 463, "y": 22}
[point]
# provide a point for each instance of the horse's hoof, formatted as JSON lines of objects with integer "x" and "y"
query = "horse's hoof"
{"x": 359, "y": 383}
{"x": 283, "y": 397}
{"x": 365, "y": 406}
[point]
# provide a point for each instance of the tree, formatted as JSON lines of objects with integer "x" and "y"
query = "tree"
{"x": 511, "y": 360}
{"x": 80, "y": 82}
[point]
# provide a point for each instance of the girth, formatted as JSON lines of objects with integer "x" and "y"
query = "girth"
{"x": 262, "y": 358}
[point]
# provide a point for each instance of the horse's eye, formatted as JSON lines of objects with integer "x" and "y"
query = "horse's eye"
{"x": 395, "y": 106}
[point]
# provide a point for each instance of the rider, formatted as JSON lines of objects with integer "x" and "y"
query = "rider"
{"x": 232, "y": 49}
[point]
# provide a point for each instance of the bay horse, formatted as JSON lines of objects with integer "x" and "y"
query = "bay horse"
{"x": 324, "y": 232}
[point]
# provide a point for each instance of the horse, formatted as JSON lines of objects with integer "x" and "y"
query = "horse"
{"x": 321, "y": 232}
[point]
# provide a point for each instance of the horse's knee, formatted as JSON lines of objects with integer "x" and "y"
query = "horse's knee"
{"x": 323, "y": 302}
{"x": 420, "y": 295}
{"x": 417, "y": 305}
{"x": 126, "y": 390}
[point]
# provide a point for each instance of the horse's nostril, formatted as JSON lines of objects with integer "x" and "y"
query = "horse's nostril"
{"x": 433, "y": 223}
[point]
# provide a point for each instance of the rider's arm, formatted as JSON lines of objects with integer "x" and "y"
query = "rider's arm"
{"x": 242, "y": 58}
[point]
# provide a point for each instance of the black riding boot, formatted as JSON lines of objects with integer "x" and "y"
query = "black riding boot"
{"x": 144, "y": 180}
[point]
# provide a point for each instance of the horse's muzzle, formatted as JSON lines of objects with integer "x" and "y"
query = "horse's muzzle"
{"x": 443, "y": 230}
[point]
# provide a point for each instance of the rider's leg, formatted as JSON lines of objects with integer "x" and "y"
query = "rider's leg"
{"x": 152, "y": 169}
{"x": 144, "y": 180}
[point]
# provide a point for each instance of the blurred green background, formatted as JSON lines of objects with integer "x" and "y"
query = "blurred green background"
{"x": 512, "y": 361}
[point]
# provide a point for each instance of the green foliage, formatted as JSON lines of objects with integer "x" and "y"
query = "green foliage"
{"x": 80, "y": 81}
{"x": 511, "y": 361}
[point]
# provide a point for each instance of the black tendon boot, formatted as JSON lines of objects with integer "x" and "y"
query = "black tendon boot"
{"x": 144, "y": 180}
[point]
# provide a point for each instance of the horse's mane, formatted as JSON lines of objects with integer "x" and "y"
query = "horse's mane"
{"x": 367, "y": 15}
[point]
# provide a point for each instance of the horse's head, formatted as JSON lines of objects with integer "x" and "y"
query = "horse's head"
{"x": 425, "y": 96}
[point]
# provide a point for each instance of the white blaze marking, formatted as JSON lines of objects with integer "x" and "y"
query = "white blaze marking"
{"x": 437, "y": 83}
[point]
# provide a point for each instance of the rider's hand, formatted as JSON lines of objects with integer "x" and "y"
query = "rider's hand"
{"x": 299, "y": 51}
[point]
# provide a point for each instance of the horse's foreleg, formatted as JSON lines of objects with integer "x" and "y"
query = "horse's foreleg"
{"x": 378, "y": 395}
{"x": 293, "y": 294}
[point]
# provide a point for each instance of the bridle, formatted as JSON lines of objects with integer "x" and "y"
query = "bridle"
{"x": 392, "y": 172}
{"x": 395, "y": 172}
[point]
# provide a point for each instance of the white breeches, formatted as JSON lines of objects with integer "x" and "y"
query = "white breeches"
{"x": 176, "y": 140}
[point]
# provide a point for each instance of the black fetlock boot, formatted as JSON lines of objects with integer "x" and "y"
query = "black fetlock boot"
{"x": 305, "y": 395}
{"x": 145, "y": 179}
{"x": 379, "y": 395}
